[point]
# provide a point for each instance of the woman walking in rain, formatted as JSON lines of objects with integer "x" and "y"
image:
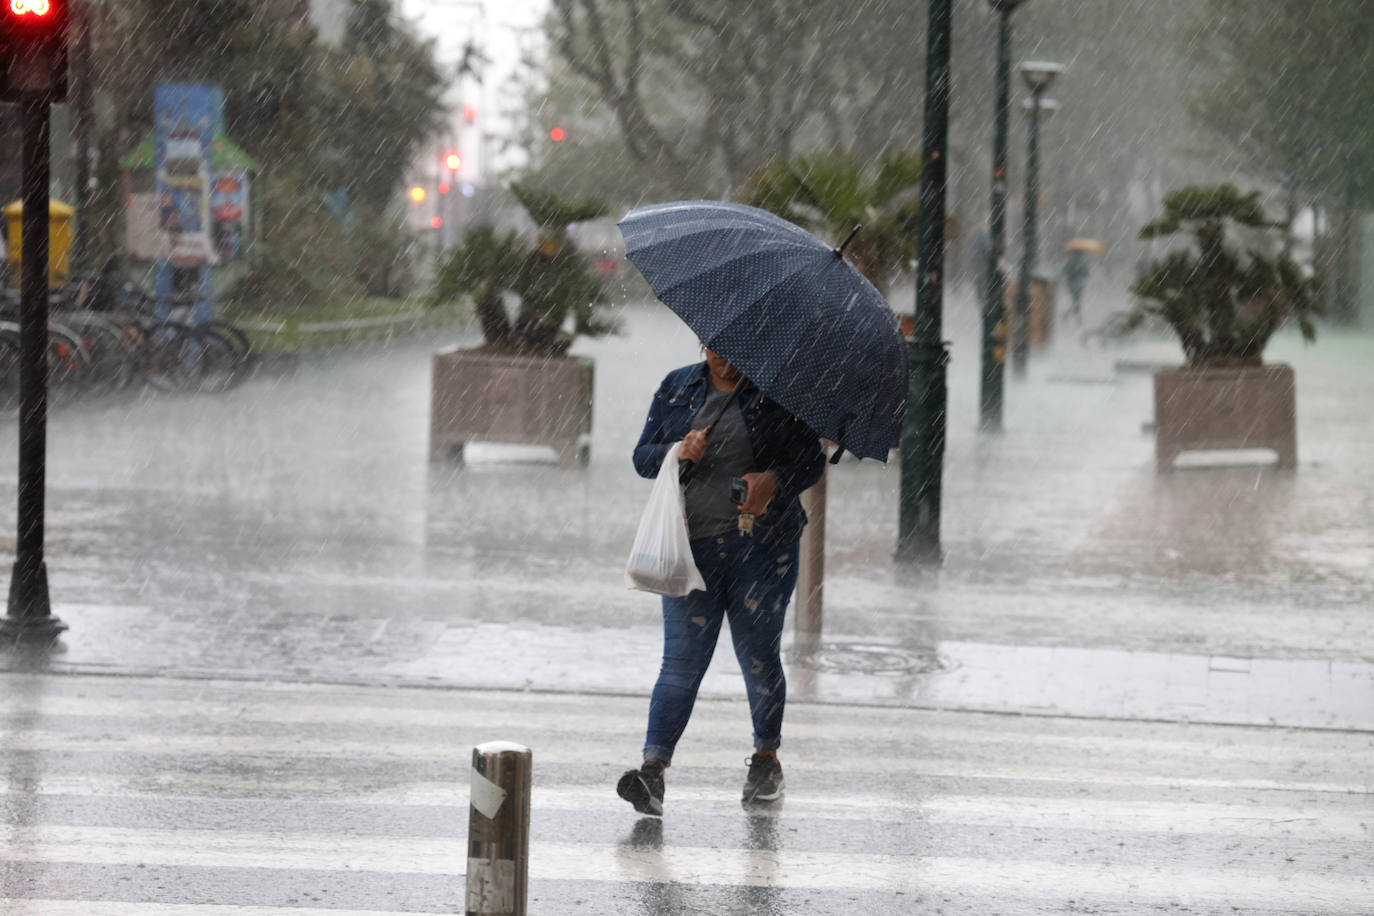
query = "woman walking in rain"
{"x": 751, "y": 462}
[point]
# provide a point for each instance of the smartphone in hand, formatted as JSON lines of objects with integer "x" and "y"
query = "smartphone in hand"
{"x": 739, "y": 491}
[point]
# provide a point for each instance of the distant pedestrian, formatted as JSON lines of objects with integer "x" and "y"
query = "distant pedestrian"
{"x": 738, "y": 440}
{"x": 1075, "y": 272}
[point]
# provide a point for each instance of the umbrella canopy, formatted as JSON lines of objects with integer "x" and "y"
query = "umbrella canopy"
{"x": 785, "y": 309}
{"x": 1090, "y": 245}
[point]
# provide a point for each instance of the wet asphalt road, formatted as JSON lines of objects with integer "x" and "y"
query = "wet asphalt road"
{"x": 159, "y": 796}
{"x": 291, "y": 535}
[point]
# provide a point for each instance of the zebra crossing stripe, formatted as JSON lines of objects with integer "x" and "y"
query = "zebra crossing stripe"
{"x": 690, "y": 866}
{"x": 241, "y": 746}
{"x": 1003, "y": 811}
{"x": 1121, "y": 816}
{"x": 566, "y": 713}
{"x": 34, "y": 907}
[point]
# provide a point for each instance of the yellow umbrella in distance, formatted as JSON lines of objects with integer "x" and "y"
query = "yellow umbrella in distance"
{"x": 1090, "y": 245}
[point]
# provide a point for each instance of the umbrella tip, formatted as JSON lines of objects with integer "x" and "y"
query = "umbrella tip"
{"x": 839, "y": 252}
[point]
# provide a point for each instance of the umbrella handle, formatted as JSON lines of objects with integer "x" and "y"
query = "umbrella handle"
{"x": 686, "y": 467}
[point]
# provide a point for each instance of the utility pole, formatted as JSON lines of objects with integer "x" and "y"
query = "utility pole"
{"x": 923, "y": 431}
{"x": 34, "y": 76}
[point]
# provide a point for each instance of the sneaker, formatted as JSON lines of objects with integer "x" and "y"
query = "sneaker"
{"x": 643, "y": 788}
{"x": 764, "y": 782}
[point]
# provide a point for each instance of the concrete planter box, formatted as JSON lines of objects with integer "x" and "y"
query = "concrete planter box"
{"x": 480, "y": 397}
{"x": 1241, "y": 407}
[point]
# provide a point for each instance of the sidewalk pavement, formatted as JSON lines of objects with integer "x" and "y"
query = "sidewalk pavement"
{"x": 293, "y": 529}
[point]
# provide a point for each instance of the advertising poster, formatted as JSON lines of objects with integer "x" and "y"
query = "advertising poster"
{"x": 184, "y": 132}
{"x": 229, "y": 210}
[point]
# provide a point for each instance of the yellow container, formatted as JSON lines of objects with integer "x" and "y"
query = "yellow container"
{"x": 61, "y": 227}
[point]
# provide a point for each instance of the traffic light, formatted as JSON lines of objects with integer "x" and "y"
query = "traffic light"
{"x": 417, "y": 194}
{"x": 33, "y": 49}
{"x": 443, "y": 187}
{"x": 469, "y": 113}
{"x": 437, "y": 222}
{"x": 453, "y": 161}
{"x": 557, "y": 135}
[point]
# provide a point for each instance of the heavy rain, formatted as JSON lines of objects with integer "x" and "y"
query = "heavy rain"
{"x": 460, "y": 455}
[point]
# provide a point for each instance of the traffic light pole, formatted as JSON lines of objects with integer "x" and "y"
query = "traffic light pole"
{"x": 994, "y": 354}
{"x": 29, "y": 620}
{"x": 923, "y": 431}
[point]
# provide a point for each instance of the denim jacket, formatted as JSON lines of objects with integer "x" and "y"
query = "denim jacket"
{"x": 783, "y": 445}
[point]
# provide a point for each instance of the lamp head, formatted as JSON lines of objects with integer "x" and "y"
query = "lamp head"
{"x": 1038, "y": 74}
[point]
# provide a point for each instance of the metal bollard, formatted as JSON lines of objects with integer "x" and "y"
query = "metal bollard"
{"x": 499, "y": 830}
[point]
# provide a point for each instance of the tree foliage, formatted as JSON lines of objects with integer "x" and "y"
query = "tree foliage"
{"x": 703, "y": 92}
{"x": 322, "y": 121}
{"x": 666, "y": 98}
{"x": 1290, "y": 88}
{"x": 1223, "y": 296}
{"x": 834, "y": 193}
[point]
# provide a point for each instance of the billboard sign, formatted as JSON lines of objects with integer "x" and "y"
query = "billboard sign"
{"x": 183, "y": 135}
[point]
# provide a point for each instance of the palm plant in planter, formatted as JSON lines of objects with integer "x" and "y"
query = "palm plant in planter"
{"x": 521, "y": 386}
{"x": 832, "y": 193}
{"x": 553, "y": 280}
{"x": 1224, "y": 296}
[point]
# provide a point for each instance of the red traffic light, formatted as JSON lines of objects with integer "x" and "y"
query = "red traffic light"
{"x": 469, "y": 113}
{"x": 443, "y": 187}
{"x": 33, "y": 49}
{"x": 33, "y": 19}
{"x": 437, "y": 222}
{"x": 557, "y": 135}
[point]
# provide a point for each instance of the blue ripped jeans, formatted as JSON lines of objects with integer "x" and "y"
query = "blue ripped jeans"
{"x": 750, "y": 583}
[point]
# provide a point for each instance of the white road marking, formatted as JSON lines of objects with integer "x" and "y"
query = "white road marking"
{"x": 1050, "y": 813}
{"x": 567, "y": 713}
{"x": 1141, "y": 817}
{"x": 249, "y": 746}
{"x": 689, "y": 866}
{"x": 15, "y": 906}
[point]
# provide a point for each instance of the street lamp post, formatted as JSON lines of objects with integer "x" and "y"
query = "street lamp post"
{"x": 1038, "y": 76}
{"x": 994, "y": 354}
{"x": 923, "y": 431}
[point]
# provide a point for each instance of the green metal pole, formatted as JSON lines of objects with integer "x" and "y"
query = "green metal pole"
{"x": 994, "y": 355}
{"x": 29, "y": 620}
{"x": 1021, "y": 350}
{"x": 923, "y": 432}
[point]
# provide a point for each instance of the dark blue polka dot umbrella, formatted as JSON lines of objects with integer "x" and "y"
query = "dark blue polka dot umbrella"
{"x": 784, "y": 308}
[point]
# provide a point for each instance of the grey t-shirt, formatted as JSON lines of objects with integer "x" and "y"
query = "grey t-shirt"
{"x": 728, "y": 454}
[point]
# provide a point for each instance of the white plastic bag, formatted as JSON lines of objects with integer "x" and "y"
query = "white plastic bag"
{"x": 661, "y": 559}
